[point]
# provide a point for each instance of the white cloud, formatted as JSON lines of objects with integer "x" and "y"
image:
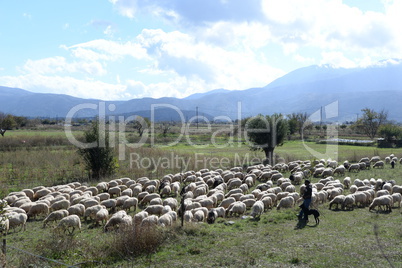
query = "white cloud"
{"x": 65, "y": 85}
{"x": 102, "y": 49}
{"x": 60, "y": 65}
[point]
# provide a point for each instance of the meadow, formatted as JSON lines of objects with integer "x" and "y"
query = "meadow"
{"x": 356, "y": 238}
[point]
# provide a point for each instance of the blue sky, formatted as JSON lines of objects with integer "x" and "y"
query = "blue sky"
{"x": 124, "y": 49}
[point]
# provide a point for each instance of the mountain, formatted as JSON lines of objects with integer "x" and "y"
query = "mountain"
{"x": 340, "y": 93}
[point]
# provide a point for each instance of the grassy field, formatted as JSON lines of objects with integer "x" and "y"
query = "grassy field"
{"x": 356, "y": 238}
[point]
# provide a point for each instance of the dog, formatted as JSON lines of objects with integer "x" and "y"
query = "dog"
{"x": 313, "y": 212}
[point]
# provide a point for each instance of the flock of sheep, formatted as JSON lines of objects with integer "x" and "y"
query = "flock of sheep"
{"x": 204, "y": 196}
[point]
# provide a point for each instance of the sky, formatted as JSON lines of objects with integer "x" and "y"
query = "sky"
{"x": 125, "y": 49}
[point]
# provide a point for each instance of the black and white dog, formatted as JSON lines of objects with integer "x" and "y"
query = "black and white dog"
{"x": 313, "y": 212}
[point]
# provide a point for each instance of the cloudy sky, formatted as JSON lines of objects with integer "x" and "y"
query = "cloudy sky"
{"x": 124, "y": 49}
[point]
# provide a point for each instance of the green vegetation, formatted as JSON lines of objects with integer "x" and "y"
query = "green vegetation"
{"x": 356, "y": 238}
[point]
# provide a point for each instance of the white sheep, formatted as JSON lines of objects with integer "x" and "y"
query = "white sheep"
{"x": 397, "y": 188}
{"x": 354, "y": 167}
{"x": 338, "y": 200}
{"x": 257, "y": 209}
{"x": 149, "y": 221}
{"x": 286, "y": 202}
{"x": 397, "y": 198}
{"x": 227, "y": 202}
{"x": 360, "y": 199}
{"x": 101, "y": 216}
{"x": 109, "y": 204}
{"x": 198, "y": 216}
{"x": 17, "y": 219}
{"x": 188, "y": 216}
{"x": 172, "y": 202}
{"x": 165, "y": 220}
{"x": 118, "y": 220}
{"x": 38, "y": 209}
{"x": 382, "y": 192}
{"x": 61, "y": 204}
{"x": 71, "y": 221}
{"x": 154, "y": 209}
{"x": 348, "y": 202}
{"x": 385, "y": 200}
{"x": 55, "y": 216}
{"x": 378, "y": 164}
{"x": 129, "y": 203}
{"x": 236, "y": 209}
{"x": 139, "y": 217}
{"x": 267, "y": 202}
{"x": 4, "y": 226}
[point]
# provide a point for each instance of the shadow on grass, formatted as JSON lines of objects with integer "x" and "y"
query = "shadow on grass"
{"x": 301, "y": 223}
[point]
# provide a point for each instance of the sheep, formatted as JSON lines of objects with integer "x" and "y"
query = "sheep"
{"x": 338, "y": 200}
{"x": 385, "y": 200}
{"x": 114, "y": 191}
{"x": 198, "y": 216}
{"x": 381, "y": 193}
{"x": 91, "y": 211}
{"x": 129, "y": 203}
{"x": 139, "y": 217}
{"x": 38, "y": 209}
{"x": 173, "y": 203}
{"x": 267, "y": 202}
{"x": 149, "y": 221}
{"x": 154, "y": 209}
{"x": 62, "y": 204}
{"x": 55, "y": 216}
{"x": 397, "y": 198}
{"x": 348, "y": 202}
{"x": 286, "y": 202}
{"x": 118, "y": 220}
{"x": 397, "y": 188}
{"x": 360, "y": 199}
{"x": 347, "y": 182}
{"x": 226, "y": 202}
{"x": 257, "y": 209}
{"x": 378, "y": 164}
{"x": 110, "y": 204}
{"x": 165, "y": 220}
{"x": 101, "y": 216}
{"x": 71, "y": 221}
{"x": 340, "y": 170}
{"x": 77, "y": 209}
{"x": 147, "y": 198}
{"x": 354, "y": 167}
{"x": 17, "y": 219}
{"x": 188, "y": 216}
{"x": 237, "y": 208}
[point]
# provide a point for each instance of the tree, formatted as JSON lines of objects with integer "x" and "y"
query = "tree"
{"x": 371, "y": 121}
{"x": 141, "y": 124}
{"x": 266, "y": 132}
{"x": 296, "y": 122}
{"x": 98, "y": 155}
{"x": 390, "y": 132}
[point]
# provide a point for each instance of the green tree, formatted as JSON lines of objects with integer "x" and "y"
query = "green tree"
{"x": 371, "y": 121}
{"x": 390, "y": 132}
{"x": 297, "y": 122}
{"x": 98, "y": 155}
{"x": 266, "y": 132}
{"x": 141, "y": 124}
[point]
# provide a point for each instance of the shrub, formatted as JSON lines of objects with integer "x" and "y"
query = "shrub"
{"x": 98, "y": 155}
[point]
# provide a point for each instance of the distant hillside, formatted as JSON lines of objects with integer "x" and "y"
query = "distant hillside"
{"x": 302, "y": 90}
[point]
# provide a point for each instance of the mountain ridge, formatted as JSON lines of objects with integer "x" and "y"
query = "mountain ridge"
{"x": 302, "y": 90}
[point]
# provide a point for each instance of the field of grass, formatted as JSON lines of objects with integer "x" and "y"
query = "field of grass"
{"x": 356, "y": 238}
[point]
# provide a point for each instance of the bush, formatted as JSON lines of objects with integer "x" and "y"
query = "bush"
{"x": 98, "y": 155}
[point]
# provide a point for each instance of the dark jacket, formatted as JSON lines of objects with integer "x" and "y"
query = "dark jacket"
{"x": 308, "y": 192}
